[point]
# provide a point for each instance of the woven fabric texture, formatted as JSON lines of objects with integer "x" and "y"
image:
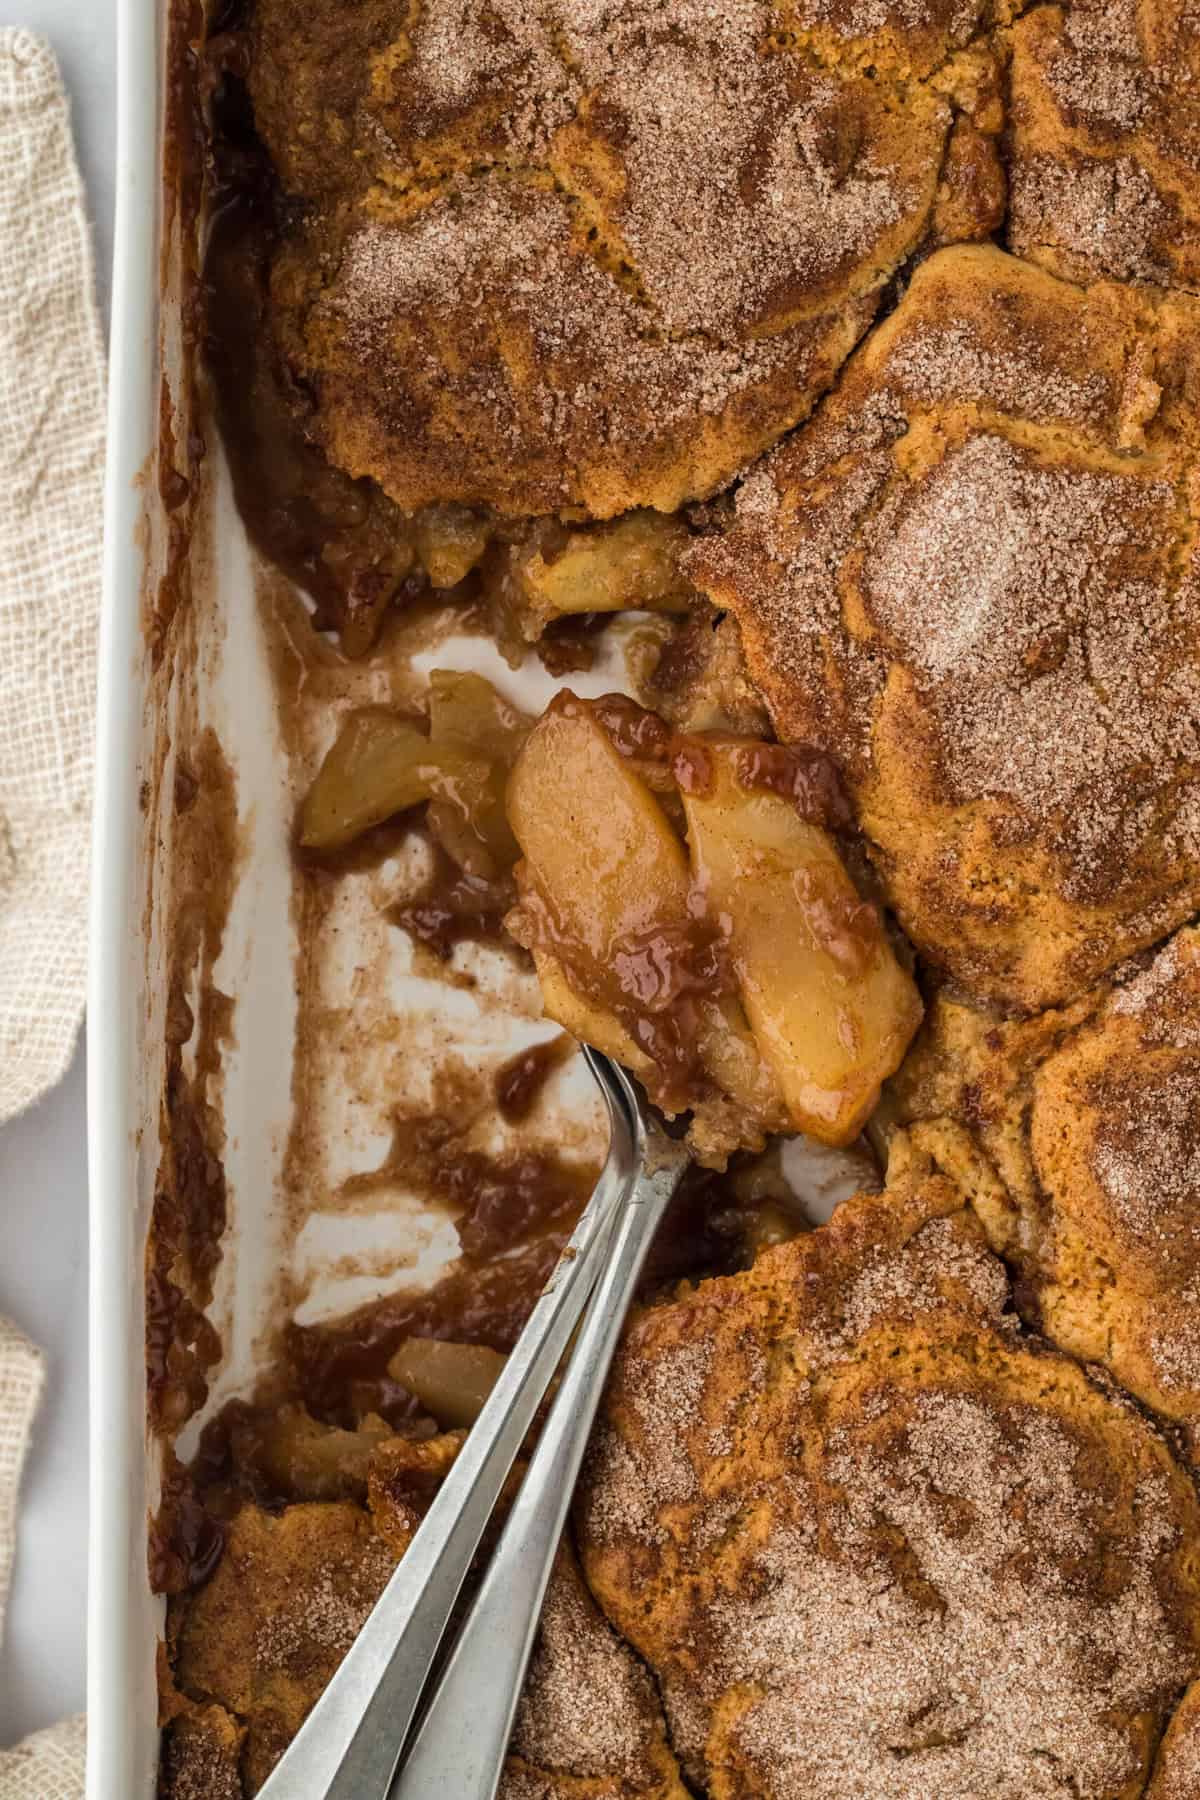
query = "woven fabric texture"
{"x": 50, "y": 1765}
{"x": 51, "y": 473}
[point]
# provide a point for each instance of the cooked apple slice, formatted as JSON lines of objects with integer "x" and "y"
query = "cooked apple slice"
{"x": 451, "y": 1381}
{"x": 609, "y": 917}
{"x": 381, "y": 764}
{"x": 631, "y": 565}
{"x": 605, "y": 890}
{"x": 831, "y": 1008}
{"x": 731, "y": 1054}
{"x": 451, "y": 541}
{"x": 467, "y": 717}
{"x": 584, "y": 1019}
{"x": 726, "y": 1047}
{"x": 600, "y": 854}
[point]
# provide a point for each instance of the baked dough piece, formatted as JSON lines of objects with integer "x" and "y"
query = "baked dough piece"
{"x": 1177, "y": 1769}
{"x": 1078, "y": 1136}
{"x": 201, "y": 1753}
{"x": 973, "y": 579}
{"x": 253, "y": 1650}
{"x": 265, "y": 1635}
{"x": 963, "y": 1094}
{"x": 905, "y": 37}
{"x": 1105, "y": 140}
{"x": 874, "y": 1541}
{"x": 589, "y": 1725}
{"x": 586, "y": 257}
{"x": 1115, "y": 1139}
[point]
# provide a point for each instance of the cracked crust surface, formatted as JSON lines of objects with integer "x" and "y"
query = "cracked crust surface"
{"x": 587, "y": 255}
{"x": 873, "y": 1540}
{"x": 973, "y": 579}
{"x": 265, "y": 1635}
{"x": 1088, "y": 1121}
{"x": 1115, "y": 1137}
{"x": 1105, "y": 140}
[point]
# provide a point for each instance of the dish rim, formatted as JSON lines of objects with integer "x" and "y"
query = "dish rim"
{"x": 122, "y": 1727}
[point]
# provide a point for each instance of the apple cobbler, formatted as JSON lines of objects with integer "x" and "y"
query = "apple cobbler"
{"x": 724, "y": 486}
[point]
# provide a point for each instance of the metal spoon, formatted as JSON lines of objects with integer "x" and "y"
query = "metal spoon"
{"x": 482, "y": 1680}
{"x": 351, "y": 1743}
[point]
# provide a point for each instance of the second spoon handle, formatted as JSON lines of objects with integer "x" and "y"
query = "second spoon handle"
{"x": 348, "y": 1747}
{"x": 460, "y": 1745}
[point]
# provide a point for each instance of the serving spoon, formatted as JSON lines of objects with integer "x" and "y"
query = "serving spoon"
{"x": 352, "y": 1742}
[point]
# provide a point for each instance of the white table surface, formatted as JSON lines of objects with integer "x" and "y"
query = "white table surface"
{"x": 43, "y": 1172}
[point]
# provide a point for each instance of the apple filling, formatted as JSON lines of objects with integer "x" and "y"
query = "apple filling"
{"x": 689, "y": 913}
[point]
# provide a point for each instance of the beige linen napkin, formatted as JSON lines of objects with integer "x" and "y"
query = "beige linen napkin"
{"x": 51, "y": 464}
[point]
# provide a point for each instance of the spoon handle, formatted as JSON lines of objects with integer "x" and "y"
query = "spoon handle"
{"x": 460, "y": 1745}
{"x": 348, "y": 1747}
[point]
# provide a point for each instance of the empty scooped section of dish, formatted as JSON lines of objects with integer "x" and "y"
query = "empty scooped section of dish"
{"x": 362, "y": 1035}
{"x": 344, "y": 1037}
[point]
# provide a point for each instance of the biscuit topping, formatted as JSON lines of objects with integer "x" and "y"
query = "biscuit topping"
{"x": 592, "y": 255}
{"x": 1058, "y": 633}
{"x": 974, "y": 1662}
{"x": 911, "y": 1553}
{"x": 1147, "y": 1155}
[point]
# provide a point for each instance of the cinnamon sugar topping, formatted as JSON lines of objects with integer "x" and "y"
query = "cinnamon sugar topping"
{"x": 989, "y": 1669}
{"x": 588, "y": 1704}
{"x": 336, "y": 1604}
{"x": 1098, "y": 71}
{"x": 931, "y": 1559}
{"x": 1061, "y": 634}
{"x": 651, "y": 1467}
{"x": 504, "y": 237}
{"x": 1164, "y": 997}
{"x": 1147, "y": 1156}
{"x": 545, "y": 249}
{"x": 1078, "y": 206}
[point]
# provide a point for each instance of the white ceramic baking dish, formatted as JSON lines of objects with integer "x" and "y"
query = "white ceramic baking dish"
{"x": 122, "y": 1617}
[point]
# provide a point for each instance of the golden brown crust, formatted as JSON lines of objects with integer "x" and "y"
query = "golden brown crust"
{"x": 963, "y": 1094}
{"x": 559, "y": 398}
{"x": 405, "y": 1475}
{"x": 201, "y": 1755}
{"x": 1177, "y": 1766}
{"x": 902, "y": 39}
{"x": 1115, "y": 1136}
{"x": 521, "y": 1781}
{"x": 1078, "y": 1136}
{"x": 267, "y": 1632}
{"x": 589, "y": 1722}
{"x": 253, "y": 1650}
{"x": 587, "y": 258}
{"x": 805, "y": 1471}
{"x": 972, "y": 579}
{"x": 1105, "y": 141}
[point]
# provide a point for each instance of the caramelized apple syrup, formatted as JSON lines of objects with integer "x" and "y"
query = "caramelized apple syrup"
{"x": 339, "y": 540}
